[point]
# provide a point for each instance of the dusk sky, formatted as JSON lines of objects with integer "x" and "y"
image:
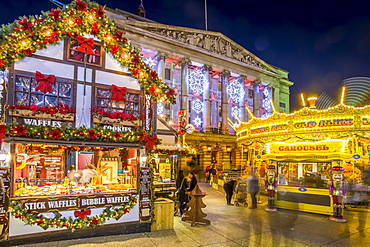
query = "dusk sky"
{"x": 320, "y": 43}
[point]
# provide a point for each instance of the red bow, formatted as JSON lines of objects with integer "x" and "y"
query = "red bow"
{"x": 85, "y": 43}
{"x": 44, "y": 82}
{"x": 2, "y": 132}
{"x": 82, "y": 214}
{"x": 150, "y": 142}
{"x": 118, "y": 93}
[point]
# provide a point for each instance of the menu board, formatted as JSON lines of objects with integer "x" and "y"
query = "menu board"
{"x": 4, "y": 202}
{"x": 145, "y": 194}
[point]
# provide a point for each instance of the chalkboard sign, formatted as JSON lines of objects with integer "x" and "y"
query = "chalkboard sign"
{"x": 4, "y": 202}
{"x": 145, "y": 193}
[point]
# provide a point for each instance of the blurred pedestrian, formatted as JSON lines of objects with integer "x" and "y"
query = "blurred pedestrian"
{"x": 253, "y": 188}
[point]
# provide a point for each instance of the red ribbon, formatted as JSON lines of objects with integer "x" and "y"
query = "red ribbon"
{"x": 150, "y": 142}
{"x": 82, "y": 214}
{"x": 44, "y": 82}
{"x": 85, "y": 43}
{"x": 2, "y": 132}
{"x": 118, "y": 93}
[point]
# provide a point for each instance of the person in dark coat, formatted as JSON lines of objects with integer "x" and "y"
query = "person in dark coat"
{"x": 181, "y": 186}
{"x": 229, "y": 190}
{"x": 193, "y": 181}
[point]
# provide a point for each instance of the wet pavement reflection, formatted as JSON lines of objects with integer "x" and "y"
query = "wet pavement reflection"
{"x": 241, "y": 226}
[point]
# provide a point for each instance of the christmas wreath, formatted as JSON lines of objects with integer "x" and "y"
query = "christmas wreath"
{"x": 82, "y": 221}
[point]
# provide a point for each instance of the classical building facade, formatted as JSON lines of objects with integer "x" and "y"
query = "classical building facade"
{"x": 216, "y": 80}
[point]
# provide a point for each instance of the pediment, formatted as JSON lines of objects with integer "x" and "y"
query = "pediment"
{"x": 209, "y": 41}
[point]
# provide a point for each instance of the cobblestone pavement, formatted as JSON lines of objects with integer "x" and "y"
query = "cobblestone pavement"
{"x": 240, "y": 226}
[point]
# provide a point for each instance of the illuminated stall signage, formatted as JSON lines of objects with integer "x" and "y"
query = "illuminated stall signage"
{"x": 324, "y": 123}
{"x": 306, "y": 147}
{"x": 42, "y": 122}
{"x": 41, "y": 205}
{"x": 269, "y": 129}
{"x": 118, "y": 128}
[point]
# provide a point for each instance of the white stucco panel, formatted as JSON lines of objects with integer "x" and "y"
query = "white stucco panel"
{"x": 83, "y": 106}
{"x": 52, "y": 51}
{"x": 167, "y": 139}
{"x": 113, "y": 64}
{"x": 81, "y": 74}
{"x": 45, "y": 67}
{"x": 116, "y": 79}
{"x": 161, "y": 126}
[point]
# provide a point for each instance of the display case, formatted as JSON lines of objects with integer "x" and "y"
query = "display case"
{"x": 45, "y": 170}
{"x": 304, "y": 174}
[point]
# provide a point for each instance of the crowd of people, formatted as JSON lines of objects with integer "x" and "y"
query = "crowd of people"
{"x": 187, "y": 184}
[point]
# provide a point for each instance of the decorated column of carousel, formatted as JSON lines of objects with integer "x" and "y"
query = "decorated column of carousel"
{"x": 303, "y": 147}
{"x": 77, "y": 128}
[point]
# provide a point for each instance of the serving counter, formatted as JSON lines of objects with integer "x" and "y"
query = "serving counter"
{"x": 313, "y": 200}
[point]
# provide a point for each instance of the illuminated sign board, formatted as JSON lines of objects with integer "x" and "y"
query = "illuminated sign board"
{"x": 279, "y": 127}
{"x": 332, "y": 146}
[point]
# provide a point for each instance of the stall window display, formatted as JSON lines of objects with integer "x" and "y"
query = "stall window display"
{"x": 76, "y": 53}
{"x": 27, "y": 91}
{"x": 117, "y": 99}
{"x": 304, "y": 174}
{"x": 44, "y": 170}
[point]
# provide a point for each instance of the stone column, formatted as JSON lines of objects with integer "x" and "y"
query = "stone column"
{"x": 242, "y": 100}
{"x": 225, "y": 162}
{"x": 161, "y": 67}
{"x": 257, "y": 105}
{"x": 207, "y": 103}
{"x": 206, "y": 156}
{"x": 184, "y": 84}
{"x": 276, "y": 98}
{"x": 237, "y": 158}
{"x": 224, "y": 102}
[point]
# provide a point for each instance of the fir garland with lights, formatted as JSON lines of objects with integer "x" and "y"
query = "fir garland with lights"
{"x": 24, "y": 37}
{"x": 82, "y": 133}
{"x": 44, "y": 222}
{"x": 123, "y": 154}
{"x": 182, "y": 153}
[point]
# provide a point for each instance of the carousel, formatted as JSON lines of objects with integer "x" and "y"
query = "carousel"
{"x": 304, "y": 147}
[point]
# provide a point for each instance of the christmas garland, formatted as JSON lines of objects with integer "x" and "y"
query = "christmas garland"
{"x": 82, "y": 133}
{"x": 123, "y": 153}
{"x": 44, "y": 222}
{"x": 24, "y": 37}
{"x": 182, "y": 153}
